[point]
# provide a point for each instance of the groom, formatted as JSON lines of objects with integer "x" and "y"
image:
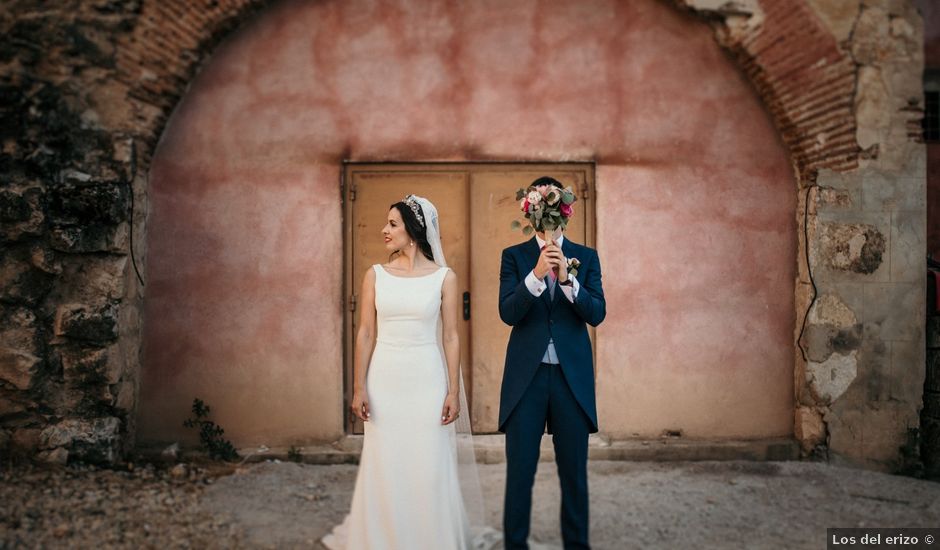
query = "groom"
{"x": 548, "y": 378}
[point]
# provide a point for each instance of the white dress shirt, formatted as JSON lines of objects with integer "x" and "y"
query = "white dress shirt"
{"x": 537, "y": 286}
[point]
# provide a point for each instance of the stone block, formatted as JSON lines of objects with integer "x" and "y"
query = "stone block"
{"x": 14, "y": 403}
{"x": 58, "y": 456}
{"x": 66, "y": 399}
{"x": 908, "y": 246}
{"x": 92, "y": 279}
{"x": 851, "y": 247}
{"x": 88, "y": 323}
{"x": 908, "y": 360}
{"x": 890, "y": 192}
{"x": 809, "y": 428}
{"x": 77, "y": 202}
{"x": 830, "y": 378}
{"x": 829, "y": 309}
{"x": 817, "y": 341}
{"x": 125, "y": 397}
{"x": 839, "y": 17}
{"x": 44, "y": 259}
{"x": 19, "y": 354}
{"x": 871, "y": 39}
{"x": 873, "y": 105}
{"x": 897, "y": 308}
{"x": 870, "y": 433}
{"x": 857, "y": 248}
{"x": 26, "y": 439}
{"x": 832, "y": 198}
{"x": 81, "y": 364}
{"x": 874, "y": 369}
{"x": 837, "y": 192}
{"x": 94, "y": 440}
{"x": 20, "y": 282}
{"x": 21, "y": 214}
{"x": 91, "y": 238}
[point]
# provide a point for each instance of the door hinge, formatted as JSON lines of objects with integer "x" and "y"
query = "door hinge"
{"x": 352, "y": 192}
{"x": 584, "y": 191}
{"x": 352, "y": 303}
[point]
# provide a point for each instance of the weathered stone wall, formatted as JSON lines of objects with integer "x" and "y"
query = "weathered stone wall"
{"x": 864, "y": 338}
{"x": 88, "y": 86}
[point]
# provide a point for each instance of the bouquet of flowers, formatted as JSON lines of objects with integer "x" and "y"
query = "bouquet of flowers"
{"x": 546, "y": 207}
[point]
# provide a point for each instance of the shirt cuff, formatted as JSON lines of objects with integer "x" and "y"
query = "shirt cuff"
{"x": 535, "y": 285}
{"x": 571, "y": 292}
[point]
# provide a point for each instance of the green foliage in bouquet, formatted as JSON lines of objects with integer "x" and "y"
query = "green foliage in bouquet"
{"x": 547, "y": 207}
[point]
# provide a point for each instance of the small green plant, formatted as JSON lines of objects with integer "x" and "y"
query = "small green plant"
{"x": 293, "y": 454}
{"x": 210, "y": 433}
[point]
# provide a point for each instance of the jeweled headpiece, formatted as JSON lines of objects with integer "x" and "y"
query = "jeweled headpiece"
{"x": 415, "y": 207}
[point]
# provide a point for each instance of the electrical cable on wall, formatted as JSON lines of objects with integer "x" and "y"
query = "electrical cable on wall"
{"x": 131, "y": 186}
{"x": 809, "y": 268}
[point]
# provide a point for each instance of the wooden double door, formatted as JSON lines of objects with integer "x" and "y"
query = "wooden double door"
{"x": 476, "y": 204}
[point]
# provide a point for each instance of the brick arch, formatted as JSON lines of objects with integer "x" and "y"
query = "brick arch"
{"x": 804, "y": 78}
{"x": 169, "y": 42}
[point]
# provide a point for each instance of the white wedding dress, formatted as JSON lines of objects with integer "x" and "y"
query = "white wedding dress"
{"x": 407, "y": 494}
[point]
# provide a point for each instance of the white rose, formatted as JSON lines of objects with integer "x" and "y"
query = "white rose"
{"x": 534, "y": 197}
{"x": 554, "y": 195}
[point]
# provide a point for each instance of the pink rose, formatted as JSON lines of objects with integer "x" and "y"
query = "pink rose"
{"x": 567, "y": 210}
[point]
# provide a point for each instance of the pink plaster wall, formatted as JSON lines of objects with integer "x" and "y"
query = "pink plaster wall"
{"x": 695, "y": 214}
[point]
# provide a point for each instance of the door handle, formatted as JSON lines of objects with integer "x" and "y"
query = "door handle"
{"x": 466, "y": 306}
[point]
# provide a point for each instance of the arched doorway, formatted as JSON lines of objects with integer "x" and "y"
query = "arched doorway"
{"x": 695, "y": 203}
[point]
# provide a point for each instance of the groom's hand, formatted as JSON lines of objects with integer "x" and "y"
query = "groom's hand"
{"x": 550, "y": 257}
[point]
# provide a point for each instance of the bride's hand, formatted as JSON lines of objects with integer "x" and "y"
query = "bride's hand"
{"x": 451, "y": 409}
{"x": 360, "y": 405}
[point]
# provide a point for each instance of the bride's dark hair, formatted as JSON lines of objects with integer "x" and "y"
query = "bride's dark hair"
{"x": 415, "y": 230}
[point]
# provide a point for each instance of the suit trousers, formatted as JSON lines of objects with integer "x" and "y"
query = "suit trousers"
{"x": 548, "y": 398}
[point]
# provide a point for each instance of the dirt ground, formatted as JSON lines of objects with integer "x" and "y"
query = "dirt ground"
{"x": 633, "y": 504}
{"x": 712, "y": 504}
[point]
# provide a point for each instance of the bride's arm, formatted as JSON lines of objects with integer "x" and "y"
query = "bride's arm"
{"x": 450, "y": 305}
{"x": 365, "y": 344}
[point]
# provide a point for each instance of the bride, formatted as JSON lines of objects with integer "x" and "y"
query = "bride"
{"x": 417, "y": 486}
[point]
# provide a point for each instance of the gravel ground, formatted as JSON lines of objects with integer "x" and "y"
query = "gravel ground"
{"x": 86, "y": 507}
{"x": 732, "y": 504}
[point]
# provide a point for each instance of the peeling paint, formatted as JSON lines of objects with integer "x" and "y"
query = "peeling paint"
{"x": 852, "y": 247}
{"x": 831, "y": 310}
{"x": 832, "y": 377}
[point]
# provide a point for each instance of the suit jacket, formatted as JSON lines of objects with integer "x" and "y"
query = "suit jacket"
{"x": 535, "y": 319}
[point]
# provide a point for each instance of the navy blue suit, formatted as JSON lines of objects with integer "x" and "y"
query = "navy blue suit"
{"x": 536, "y": 394}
